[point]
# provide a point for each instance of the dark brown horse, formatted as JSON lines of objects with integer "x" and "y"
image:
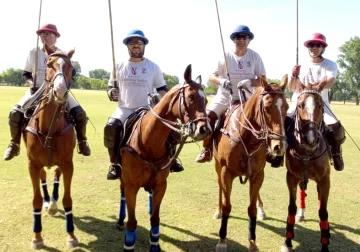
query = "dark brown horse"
{"x": 308, "y": 158}
{"x": 249, "y": 133}
{"x": 145, "y": 161}
{"x": 50, "y": 141}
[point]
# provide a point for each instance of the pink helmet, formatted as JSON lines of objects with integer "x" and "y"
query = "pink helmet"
{"x": 48, "y": 28}
{"x": 317, "y": 37}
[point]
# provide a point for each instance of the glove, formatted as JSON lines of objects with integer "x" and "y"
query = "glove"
{"x": 225, "y": 83}
{"x": 113, "y": 94}
{"x": 244, "y": 84}
{"x": 33, "y": 89}
{"x": 296, "y": 71}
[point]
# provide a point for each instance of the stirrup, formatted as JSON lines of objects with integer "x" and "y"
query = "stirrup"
{"x": 114, "y": 172}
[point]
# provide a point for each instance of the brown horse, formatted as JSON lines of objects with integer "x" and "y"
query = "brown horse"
{"x": 249, "y": 133}
{"x": 308, "y": 158}
{"x": 50, "y": 141}
{"x": 145, "y": 161}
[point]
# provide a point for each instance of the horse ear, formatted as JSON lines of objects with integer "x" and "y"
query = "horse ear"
{"x": 264, "y": 83}
{"x": 198, "y": 80}
{"x": 187, "y": 74}
{"x": 284, "y": 82}
{"x": 71, "y": 53}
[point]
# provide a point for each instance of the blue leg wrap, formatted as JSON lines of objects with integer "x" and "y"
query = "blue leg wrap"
{"x": 223, "y": 228}
{"x": 122, "y": 214}
{"x": 130, "y": 238}
{"x": 150, "y": 202}
{"x": 37, "y": 220}
{"x": 69, "y": 219}
{"x": 55, "y": 194}
{"x": 45, "y": 190}
{"x": 252, "y": 228}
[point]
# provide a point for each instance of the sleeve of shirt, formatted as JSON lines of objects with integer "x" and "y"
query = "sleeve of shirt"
{"x": 29, "y": 64}
{"x": 158, "y": 78}
{"x": 331, "y": 70}
{"x": 220, "y": 69}
{"x": 259, "y": 66}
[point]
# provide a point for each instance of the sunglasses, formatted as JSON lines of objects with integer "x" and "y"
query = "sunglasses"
{"x": 311, "y": 45}
{"x": 47, "y": 34}
{"x": 244, "y": 37}
{"x": 136, "y": 42}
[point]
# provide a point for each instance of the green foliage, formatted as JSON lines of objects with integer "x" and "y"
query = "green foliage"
{"x": 210, "y": 88}
{"x": 12, "y": 76}
{"x": 99, "y": 74}
{"x": 349, "y": 61}
{"x": 170, "y": 80}
{"x": 77, "y": 67}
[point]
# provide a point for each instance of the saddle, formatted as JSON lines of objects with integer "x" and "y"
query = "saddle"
{"x": 130, "y": 123}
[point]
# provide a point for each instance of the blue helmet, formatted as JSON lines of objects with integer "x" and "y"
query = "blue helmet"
{"x": 241, "y": 29}
{"x": 135, "y": 34}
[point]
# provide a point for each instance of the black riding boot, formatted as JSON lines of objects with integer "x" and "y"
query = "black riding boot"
{"x": 115, "y": 166}
{"x": 278, "y": 161}
{"x": 15, "y": 121}
{"x": 113, "y": 134}
{"x": 80, "y": 119}
{"x": 172, "y": 141}
{"x": 336, "y": 136}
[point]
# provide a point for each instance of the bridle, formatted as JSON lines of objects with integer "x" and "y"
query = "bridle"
{"x": 301, "y": 129}
{"x": 188, "y": 128}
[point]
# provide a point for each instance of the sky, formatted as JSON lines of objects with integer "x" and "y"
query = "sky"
{"x": 180, "y": 32}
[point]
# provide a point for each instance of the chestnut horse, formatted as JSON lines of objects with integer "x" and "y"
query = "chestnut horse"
{"x": 50, "y": 141}
{"x": 145, "y": 161}
{"x": 308, "y": 158}
{"x": 249, "y": 133}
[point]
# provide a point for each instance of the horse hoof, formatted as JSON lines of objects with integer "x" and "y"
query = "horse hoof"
{"x": 120, "y": 227}
{"x": 285, "y": 248}
{"x": 52, "y": 210}
{"x": 253, "y": 247}
{"x": 221, "y": 247}
{"x": 37, "y": 244}
{"x": 72, "y": 242}
{"x": 261, "y": 216}
{"x": 299, "y": 218}
{"x": 46, "y": 205}
{"x": 217, "y": 215}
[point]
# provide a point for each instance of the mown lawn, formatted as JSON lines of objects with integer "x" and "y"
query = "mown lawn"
{"x": 188, "y": 206}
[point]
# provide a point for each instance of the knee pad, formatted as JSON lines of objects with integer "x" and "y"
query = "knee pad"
{"x": 338, "y": 131}
{"x": 78, "y": 114}
{"x": 15, "y": 117}
{"x": 113, "y": 132}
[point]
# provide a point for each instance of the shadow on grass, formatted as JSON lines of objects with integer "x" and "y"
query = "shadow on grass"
{"x": 110, "y": 239}
{"x": 309, "y": 240}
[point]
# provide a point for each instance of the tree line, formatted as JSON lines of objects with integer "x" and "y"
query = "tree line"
{"x": 347, "y": 85}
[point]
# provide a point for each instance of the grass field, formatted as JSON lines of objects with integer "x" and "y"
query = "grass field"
{"x": 189, "y": 203}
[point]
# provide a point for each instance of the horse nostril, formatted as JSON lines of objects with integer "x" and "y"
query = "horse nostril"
{"x": 203, "y": 129}
{"x": 277, "y": 148}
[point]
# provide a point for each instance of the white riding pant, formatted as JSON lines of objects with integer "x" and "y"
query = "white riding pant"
{"x": 122, "y": 113}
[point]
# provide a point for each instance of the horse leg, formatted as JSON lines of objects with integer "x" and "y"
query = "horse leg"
{"x": 157, "y": 198}
{"x": 68, "y": 171}
{"x": 292, "y": 183}
{"x": 120, "y": 225}
{"x": 261, "y": 215}
{"x": 131, "y": 225}
{"x": 323, "y": 189}
{"x": 35, "y": 172}
{"x": 45, "y": 189}
{"x": 255, "y": 185}
{"x": 226, "y": 182}
{"x": 53, "y": 208}
{"x": 300, "y": 216}
{"x": 217, "y": 214}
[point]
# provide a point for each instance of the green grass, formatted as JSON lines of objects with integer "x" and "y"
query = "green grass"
{"x": 189, "y": 203}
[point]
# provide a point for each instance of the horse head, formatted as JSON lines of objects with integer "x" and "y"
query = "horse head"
{"x": 268, "y": 111}
{"x": 309, "y": 115}
{"x": 189, "y": 105}
{"x": 59, "y": 75}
